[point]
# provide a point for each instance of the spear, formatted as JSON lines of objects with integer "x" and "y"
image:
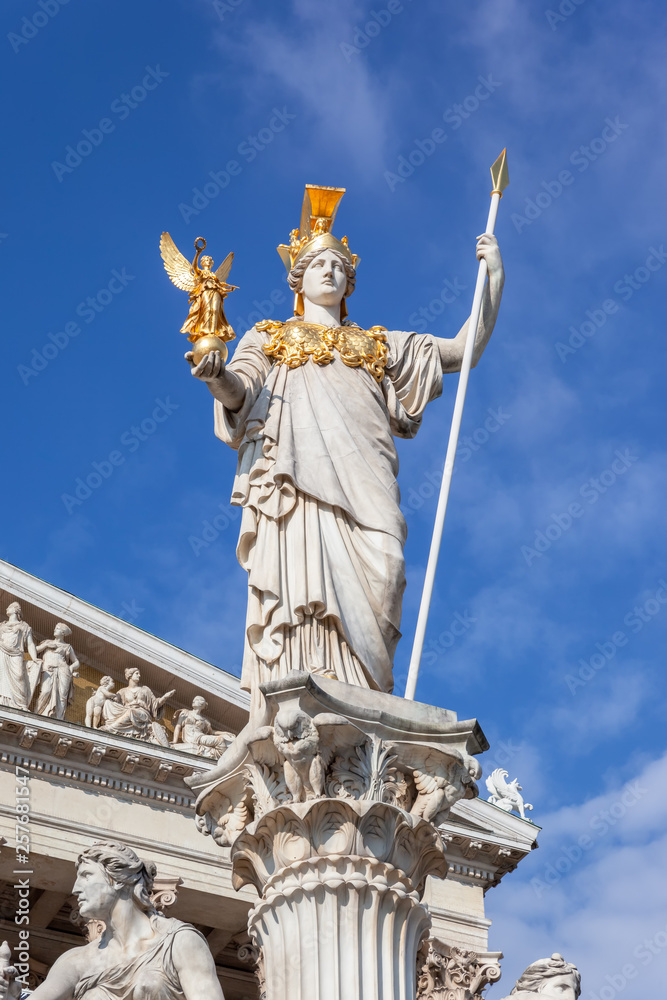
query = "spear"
{"x": 500, "y": 178}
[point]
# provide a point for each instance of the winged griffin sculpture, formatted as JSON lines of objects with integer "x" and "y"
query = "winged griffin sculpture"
{"x": 506, "y": 795}
{"x": 206, "y": 324}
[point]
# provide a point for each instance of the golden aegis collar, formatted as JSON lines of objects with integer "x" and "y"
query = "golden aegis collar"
{"x": 295, "y": 342}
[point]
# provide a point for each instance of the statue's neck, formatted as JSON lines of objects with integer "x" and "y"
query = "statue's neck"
{"x": 128, "y": 924}
{"x": 323, "y": 315}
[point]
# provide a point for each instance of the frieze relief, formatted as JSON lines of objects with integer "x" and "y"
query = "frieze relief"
{"x": 40, "y": 678}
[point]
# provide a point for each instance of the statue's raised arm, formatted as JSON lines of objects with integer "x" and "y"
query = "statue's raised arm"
{"x": 451, "y": 351}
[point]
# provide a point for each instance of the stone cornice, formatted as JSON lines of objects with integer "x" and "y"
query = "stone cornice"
{"x": 74, "y": 754}
{"x": 484, "y": 843}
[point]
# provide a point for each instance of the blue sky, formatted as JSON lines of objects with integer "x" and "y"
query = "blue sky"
{"x": 207, "y": 119}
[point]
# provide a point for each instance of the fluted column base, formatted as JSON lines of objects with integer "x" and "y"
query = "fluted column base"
{"x": 340, "y": 916}
{"x": 339, "y": 928}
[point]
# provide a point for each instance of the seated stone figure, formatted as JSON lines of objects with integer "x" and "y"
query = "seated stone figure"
{"x": 141, "y": 955}
{"x": 551, "y": 978}
{"x": 195, "y": 734}
{"x": 136, "y": 711}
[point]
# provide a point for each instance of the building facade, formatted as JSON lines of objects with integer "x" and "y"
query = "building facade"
{"x": 66, "y": 782}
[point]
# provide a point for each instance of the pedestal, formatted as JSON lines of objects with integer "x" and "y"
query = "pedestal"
{"x": 332, "y": 813}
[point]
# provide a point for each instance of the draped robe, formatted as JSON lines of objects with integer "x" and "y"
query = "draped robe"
{"x": 15, "y": 683}
{"x": 322, "y": 533}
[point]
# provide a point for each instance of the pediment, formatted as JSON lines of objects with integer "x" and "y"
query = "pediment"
{"x": 107, "y": 645}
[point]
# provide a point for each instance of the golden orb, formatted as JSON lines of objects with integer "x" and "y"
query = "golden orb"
{"x": 206, "y": 345}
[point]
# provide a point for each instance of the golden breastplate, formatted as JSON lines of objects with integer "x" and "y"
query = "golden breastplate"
{"x": 294, "y": 342}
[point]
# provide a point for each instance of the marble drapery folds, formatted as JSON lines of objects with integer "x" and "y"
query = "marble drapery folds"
{"x": 322, "y": 533}
{"x": 17, "y": 684}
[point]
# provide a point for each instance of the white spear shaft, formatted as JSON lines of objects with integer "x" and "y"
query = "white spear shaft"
{"x": 500, "y": 181}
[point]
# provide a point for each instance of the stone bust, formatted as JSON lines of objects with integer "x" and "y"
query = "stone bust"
{"x": 551, "y": 978}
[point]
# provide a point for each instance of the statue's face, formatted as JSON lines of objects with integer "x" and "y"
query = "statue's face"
{"x": 94, "y": 893}
{"x": 558, "y": 988}
{"x": 135, "y": 676}
{"x": 324, "y": 280}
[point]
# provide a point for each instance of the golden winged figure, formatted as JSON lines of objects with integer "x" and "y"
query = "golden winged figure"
{"x": 207, "y": 291}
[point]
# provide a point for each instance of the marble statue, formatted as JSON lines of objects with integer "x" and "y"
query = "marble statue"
{"x": 506, "y": 795}
{"x": 137, "y": 711}
{"x": 59, "y": 668}
{"x": 312, "y": 406}
{"x": 195, "y": 734}
{"x": 96, "y": 702}
{"x": 140, "y": 954}
{"x": 18, "y": 677}
{"x": 550, "y": 979}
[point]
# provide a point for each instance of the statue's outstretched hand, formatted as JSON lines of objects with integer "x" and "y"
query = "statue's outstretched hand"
{"x": 209, "y": 368}
{"x": 488, "y": 250}
{"x": 10, "y": 988}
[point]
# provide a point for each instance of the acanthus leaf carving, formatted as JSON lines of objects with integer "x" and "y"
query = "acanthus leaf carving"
{"x": 449, "y": 973}
{"x": 366, "y": 772}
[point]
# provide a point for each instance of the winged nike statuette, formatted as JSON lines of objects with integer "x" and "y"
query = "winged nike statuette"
{"x": 206, "y": 324}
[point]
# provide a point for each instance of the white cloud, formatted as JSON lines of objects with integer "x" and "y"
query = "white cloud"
{"x": 604, "y": 908}
{"x": 350, "y": 107}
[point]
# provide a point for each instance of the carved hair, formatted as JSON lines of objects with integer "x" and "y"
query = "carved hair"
{"x": 104, "y": 681}
{"x": 65, "y": 629}
{"x": 129, "y": 671}
{"x": 295, "y": 277}
{"x": 123, "y": 867}
{"x": 14, "y": 606}
{"x": 200, "y": 702}
{"x": 546, "y": 968}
